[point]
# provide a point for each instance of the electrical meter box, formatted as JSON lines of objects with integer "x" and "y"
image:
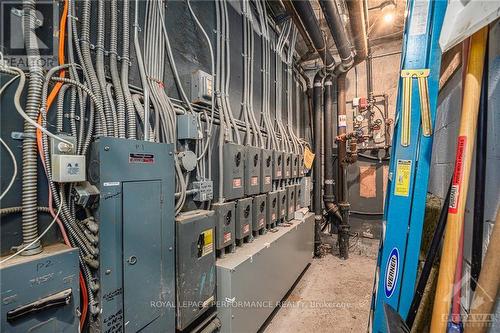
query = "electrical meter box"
{"x": 277, "y": 165}
{"x": 298, "y": 194}
{"x": 195, "y": 275}
{"x": 233, "y": 166}
{"x": 272, "y": 208}
{"x": 266, "y": 170}
{"x": 282, "y": 205}
{"x": 243, "y": 221}
{"x": 41, "y": 293}
{"x": 301, "y": 165}
{"x": 252, "y": 170}
{"x": 224, "y": 226}
{"x": 201, "y": 87}
{"x": 287, "y": 165}
{"x": 305, "y": 193}
{"x": 259, "y": 212}
{"x": 295, "y": 165}
{"x": 135, "y": 214}
{"x": 290, "y": 202}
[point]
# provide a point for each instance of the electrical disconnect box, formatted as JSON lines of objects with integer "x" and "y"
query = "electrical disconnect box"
{"x": 135, "y": 215}
{"x": 266, "y": 171}
{"x": 295, "y": 165}
{"x": 67, "y": 166}
{"x": 243, "y": 228}
{"x": 305, "y": 193}
{"x": 201, "y": 87}
{"x": 41, "y": 293}
{"x": 187, "y": 128}
{"x": 301, "y": 165}
{"x": 195, "y": 253}
{"x": 282, "y": 204}
{"x": 277, "y": 165}
{"x": 252, "y": 170}
{"x": 272, "y": 208}
{"x": 233, "y": 166}
{"x": 290, "y": 202}
{"x": 287, "y": 165}
{"x": 259, "y": 213}
{"x": 204, "y": 190}
{"x": 298, "y": 194}
{"x": 224, "y": 227}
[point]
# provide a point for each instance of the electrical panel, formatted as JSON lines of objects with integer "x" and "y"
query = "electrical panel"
{"x": 243, "y": 227}
{"x": 195, "y": 276}
{"x": 259, "y": 213}
{"x": 290, "y": 202}
{"x": 272, "y": 208}
{"x": 201, "y": 87}
{"x": 224, "y": 226}
{"x": 282, "y": 205}
{"x": 295, "y": 165}
{"x": 135, "y": 215}
{"x": 41, "y": 293}
{"x": 287, "y": 165}
{"x": 266, "y": 171}
{"x": 204, "y": 190}
{"x": 298, "y": 194}
{"x": 233, "y": 167}
{"x": 252, "y": 170}
{"x": 187, "y": 127}
{"x": 277, "y": 165}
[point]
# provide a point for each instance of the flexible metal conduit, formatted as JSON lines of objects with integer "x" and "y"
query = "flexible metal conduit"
{"x": 33, "y": 101}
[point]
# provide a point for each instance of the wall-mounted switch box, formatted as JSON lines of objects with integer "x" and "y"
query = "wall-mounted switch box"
{"x": 305, "y": 194}
{"x": 272, "y": 208}
{"x": 201, "y": 87}
{"x": 290, "y": 202}
{"x": 298, "y": 194}
{"x": 243, "y": 222}
{"x": 277, "y": 164}
{"x": 233, "y": 167}
{"x": 295, "y": 165}
{"x": 224, "y": 224}
{"x": 252, "y": 170}
{"x": 205, "y": 190}
{"x": 187, "y": 127}
{"x": 282, "y": 204}
{"x": 68, "y": 168}
{"x": 266, "y": 170}
{"x": 259, "y": 212}
{"x": 287, "y": 165}
{"x": 301, "y": 165}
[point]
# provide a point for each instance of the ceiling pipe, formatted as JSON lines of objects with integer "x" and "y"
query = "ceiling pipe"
{"x": 306, "y": 15}
{"x": 358, "y": 18}
{"x": 298, "y": 23}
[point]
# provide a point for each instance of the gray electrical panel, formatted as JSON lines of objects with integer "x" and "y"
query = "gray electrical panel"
{"x": 295, "y": 165}
{"x": 266, "y": 171}
{"x": 287, "y": 165}
{"x": 187, "y": 127}
{"x": 40, "y": 293}
{"x": 272, "y": 208}
{"x": 243, "y": 221}
{"x": 301, "y": 165}
{"x": 195, "y": 253}
{"x": 252, "y": 170}
{"x": 290, "y": 202}
{"x": 259, "y": 213}
{"x": 224, "y": 226}
{"x": 277, "y": 165}
{"x": 136, "y": 234}
{"x": 305, "y": 197}
{"x": 298, "y": 194}
{"x": 233, "y": 167}
{"x": 282, "y": 204}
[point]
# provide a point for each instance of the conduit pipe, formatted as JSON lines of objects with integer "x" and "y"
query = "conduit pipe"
{"x": 318, "y": 208}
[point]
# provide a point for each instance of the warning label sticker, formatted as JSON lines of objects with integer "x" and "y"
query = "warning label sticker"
{"x": 457, "y": 175}
{"x": 208, "y": 241}
{"x": 236, "y": 182}
{"x": 227, "y": 237}
{"x": 403, "y": 174}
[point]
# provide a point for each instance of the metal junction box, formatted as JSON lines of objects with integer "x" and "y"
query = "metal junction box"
{"x": 224, "y": 224}
{"x": 233, "y": 164}
{"x": 301, "y": 165}
{"x": 282, "y": 204}
{"x": 305, "y": 194}
{"x": 195, "y": 253}
{"x": 295, "y": 165}
{"x": 252, "y": 170}
{"x": 187, "y": 127}
{"x": 290, "y": 202}
{"x": 41, "y": 293}
{"x": 243, "y": 226}
{"x": 287, "y": 165}
{"x": 272, "y": 208}
{"x": 259, "y": 212}
{"x": 266, "y": 171}
{"x": 136, "y": 233}
{"x": 277, "y": 165}
{"x": 298, "y": 194}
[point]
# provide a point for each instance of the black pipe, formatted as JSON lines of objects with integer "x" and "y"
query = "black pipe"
{"x": 432, "y": 253}
{"x": 310, "y": 23}
{"x": 479, "y": 196}
{"x": 318, "y": 210}
{"x": 332, "y": 17}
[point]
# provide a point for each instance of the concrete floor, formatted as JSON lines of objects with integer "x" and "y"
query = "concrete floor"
{"x": 333, "y": 295}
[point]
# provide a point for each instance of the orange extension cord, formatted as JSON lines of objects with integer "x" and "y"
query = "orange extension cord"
{"x": 50, "y": 100}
